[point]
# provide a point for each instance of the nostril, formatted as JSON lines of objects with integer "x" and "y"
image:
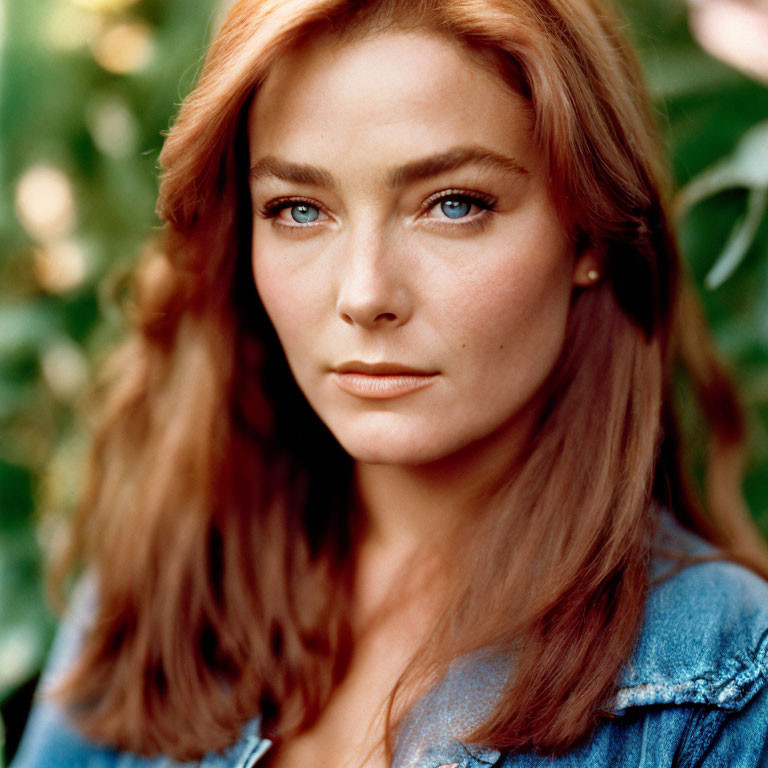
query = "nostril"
{"x": 385, "y": 316}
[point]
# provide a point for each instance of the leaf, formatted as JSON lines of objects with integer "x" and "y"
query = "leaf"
{"x": 740, "y": 239}
{"x": 711, "y": 182}
{"x": 746, "y": 167}
{"x": 25, "y": 325}
{"x": 750, "y": 160}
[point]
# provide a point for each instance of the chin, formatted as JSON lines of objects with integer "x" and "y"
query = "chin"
{"x": 394, "y": 449}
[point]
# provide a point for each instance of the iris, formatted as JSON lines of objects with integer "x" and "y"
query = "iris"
{"x": 455, "y": 207}
{"x": 304, "y": 213}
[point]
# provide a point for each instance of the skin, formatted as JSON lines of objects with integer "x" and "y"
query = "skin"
{"x": 374, "y": 272}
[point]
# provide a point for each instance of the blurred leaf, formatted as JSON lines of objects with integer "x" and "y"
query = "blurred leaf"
{"x": 741, "y": 238}
{"x": 750, "y": 160}
{"x": 16, "y": 499}
{"x": 747, "y": 167}
{"x": 25, "y": 326}
{"x": 25, "y": 623}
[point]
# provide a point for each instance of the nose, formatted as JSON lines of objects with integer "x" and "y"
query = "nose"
{"x": 373, "y": 289}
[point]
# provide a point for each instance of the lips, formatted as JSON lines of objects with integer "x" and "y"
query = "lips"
{"x": 379, "y": 381}
{"x": 382, "y": 369}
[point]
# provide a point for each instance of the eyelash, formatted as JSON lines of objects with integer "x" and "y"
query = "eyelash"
{"x": 486, "y": 204}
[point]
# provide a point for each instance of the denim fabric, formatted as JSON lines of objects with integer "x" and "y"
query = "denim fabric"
{"x": 693, "y": 695}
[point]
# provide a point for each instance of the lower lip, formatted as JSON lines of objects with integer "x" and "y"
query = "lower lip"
{"x": 382, "y": 386}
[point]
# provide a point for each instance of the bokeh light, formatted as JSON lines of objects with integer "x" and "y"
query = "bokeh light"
{"x": 112, "y": 125}
{"x": 67, "y": 27}
{"x": 104, "y": 6}
{"x": 45, "y": 204}
{"x": 124, "y": 47}
{"x": 19, "y": 648}
{"x": 60, "y": 266}
{"x": 65, "y": 369}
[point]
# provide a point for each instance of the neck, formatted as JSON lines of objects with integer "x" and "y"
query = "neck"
{"x": 413, "y": 517}
{"x": 412, "y": 509}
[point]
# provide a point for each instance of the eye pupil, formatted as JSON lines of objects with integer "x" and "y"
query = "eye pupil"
{"x": 455, "y": 207}
{"x": 303, "y": 213}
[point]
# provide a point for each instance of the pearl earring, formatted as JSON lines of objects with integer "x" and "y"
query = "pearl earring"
{"x": 592, "y": 275}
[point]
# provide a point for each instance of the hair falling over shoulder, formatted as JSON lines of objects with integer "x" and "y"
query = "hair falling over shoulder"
{"x": 217, "y": 516}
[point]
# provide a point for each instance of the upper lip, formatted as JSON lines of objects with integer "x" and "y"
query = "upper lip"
{"x": 381, "y": 369}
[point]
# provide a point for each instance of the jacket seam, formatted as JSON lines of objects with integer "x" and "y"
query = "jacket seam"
{"x": 731, "y": 693}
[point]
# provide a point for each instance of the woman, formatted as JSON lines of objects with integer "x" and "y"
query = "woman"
{"x": 389, "y": 472}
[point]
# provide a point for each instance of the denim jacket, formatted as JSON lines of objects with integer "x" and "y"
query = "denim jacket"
{"x": 693, "y": 695}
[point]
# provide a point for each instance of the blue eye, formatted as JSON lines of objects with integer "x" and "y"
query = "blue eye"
{"x": 455, "y": 207}
{"x": 303, "y": 213}
{"x": 465, "y": 208}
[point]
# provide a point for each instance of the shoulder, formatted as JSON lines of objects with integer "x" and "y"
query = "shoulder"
{"x": 52, "y": 739}
{"x": 704, "y": 637}
{"x": 695, "y": 691}
{"x": 49, "y": 737}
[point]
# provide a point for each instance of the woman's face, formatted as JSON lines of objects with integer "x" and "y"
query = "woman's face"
{"x": 405, "y": 245}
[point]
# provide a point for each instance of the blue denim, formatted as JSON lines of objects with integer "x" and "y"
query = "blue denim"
{"x": 693, "y": 695}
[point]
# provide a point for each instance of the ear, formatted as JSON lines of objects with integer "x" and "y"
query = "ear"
{"x": 588, "y": 267}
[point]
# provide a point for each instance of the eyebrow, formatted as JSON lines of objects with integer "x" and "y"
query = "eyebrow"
{"x": 401, "y": 176}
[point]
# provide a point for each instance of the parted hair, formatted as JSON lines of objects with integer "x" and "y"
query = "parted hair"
{"x": 217, "y": 517}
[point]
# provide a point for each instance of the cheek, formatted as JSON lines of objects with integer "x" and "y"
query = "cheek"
{"x": 286, "y": 298}
{"x": 513, "y": 315}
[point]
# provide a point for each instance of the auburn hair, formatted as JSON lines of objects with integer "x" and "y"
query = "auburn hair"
{"x": 217, "y": 519}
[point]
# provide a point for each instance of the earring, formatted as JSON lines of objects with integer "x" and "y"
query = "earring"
{"x": 592, "y": 275}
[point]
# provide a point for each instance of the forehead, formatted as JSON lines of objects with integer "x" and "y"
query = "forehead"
{"x": 430, "y": 86}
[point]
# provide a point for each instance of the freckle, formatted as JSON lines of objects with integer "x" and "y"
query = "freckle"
{"x": 463, "y": 345}
{"x": 501, "y": 346}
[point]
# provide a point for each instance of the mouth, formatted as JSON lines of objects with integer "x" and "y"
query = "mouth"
{"x": 379, "y": 381}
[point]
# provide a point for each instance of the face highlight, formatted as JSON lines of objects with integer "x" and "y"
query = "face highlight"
{"x": 405, "y": 245}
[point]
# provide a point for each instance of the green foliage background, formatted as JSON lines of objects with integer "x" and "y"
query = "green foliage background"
{"x": 102, "y": 129}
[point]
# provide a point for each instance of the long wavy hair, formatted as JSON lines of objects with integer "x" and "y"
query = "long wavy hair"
{"x": 218, "y": 517}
